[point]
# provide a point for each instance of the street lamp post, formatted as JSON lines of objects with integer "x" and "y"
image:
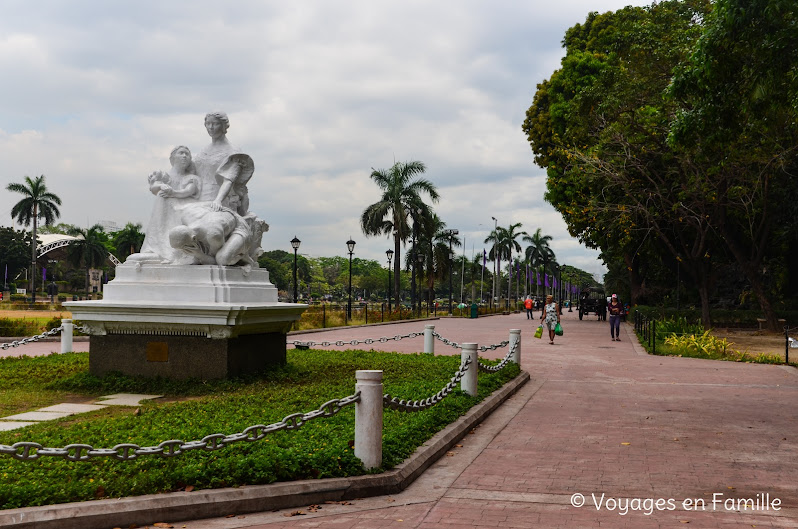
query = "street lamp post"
{"x": 569, "y": 292}
{"x": 451, "y": 270}
{"x": 389, "y": 254}
{"x": 350, "y": 244}
{"x": 420, "y": 259}
{"x": 451, "y": 234}
{"x": 495, "y": 261}
{"x": 414, "y": 213}
{"x": 295, "y": 245}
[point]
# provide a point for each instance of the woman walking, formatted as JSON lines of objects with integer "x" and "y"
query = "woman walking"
{"x": 615, "y": 308}
{"x": 550, "y": 317}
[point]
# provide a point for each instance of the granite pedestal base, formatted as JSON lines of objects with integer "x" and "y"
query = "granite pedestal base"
{"x": 186, "y": 322}
{"x": 183, "y": 357}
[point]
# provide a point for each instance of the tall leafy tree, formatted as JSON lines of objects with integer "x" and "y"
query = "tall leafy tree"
{"x": 38, "y": 203}
{"x": 89, "y": 250}
{"x": 738, "y": 119}
{"x": 401, "y": 199}
{"x": 15, "y": 252}
{"x": 600, "y": 125}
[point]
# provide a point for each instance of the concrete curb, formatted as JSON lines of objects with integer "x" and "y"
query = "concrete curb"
{"x": 144, "y": 510}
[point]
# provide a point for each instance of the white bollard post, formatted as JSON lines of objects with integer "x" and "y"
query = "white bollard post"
{"x": 429, "y": 340}
{"x": 368, "y": 418}
{"x": 66, "y": 336}
{"x": 469, "y": 381}
{"x": 515, "y": 341}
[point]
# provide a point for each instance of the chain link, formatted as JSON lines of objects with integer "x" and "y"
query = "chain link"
{"x": 498, "y": 367}
{"x": 28, "y": 451}
{"x": 418, "y": 405}
{"x": 25, "y": 341}
{"x": 384, "y": 339}
{"x": 36, "y": 338}
{"x": 367, "y": 341}
{"x": 483, "y": 348}
{"x": 445, "y": 340}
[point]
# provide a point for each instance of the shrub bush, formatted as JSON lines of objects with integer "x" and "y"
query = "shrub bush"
{"x": 15, "y": 327}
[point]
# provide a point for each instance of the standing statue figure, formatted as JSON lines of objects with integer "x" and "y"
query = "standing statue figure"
{"x": 223, "y": 168}
{"x": 173, "y": 189}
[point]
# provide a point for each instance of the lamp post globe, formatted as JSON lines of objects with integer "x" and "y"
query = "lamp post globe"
{"x": 350, "y": 245}
{"x": 295, "y": 245}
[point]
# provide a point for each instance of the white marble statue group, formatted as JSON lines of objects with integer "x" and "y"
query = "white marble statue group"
{"x": 201, "y": 212}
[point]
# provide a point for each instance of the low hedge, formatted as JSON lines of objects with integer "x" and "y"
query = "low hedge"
{"x": 719, "y": 317}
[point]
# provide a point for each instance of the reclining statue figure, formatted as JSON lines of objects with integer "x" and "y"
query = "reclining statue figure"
{"x": 220, "y": 237}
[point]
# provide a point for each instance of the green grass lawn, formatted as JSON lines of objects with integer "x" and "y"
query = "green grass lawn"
{"x": 192, "y": 410}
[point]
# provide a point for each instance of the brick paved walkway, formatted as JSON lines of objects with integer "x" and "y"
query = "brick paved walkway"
{"x": 599, "y": 418}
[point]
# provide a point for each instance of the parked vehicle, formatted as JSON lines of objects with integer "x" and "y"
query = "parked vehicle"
{"x": 593, "y": 299}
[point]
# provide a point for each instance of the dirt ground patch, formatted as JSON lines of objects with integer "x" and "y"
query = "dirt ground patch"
{"x": 31, "y": 314}
{"x": 754, "y": 342}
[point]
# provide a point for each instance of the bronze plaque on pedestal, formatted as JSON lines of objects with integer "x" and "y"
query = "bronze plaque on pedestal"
{"x": 157, "y": 352}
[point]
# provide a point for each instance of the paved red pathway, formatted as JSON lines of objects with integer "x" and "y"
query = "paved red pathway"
{"x": 599, "y": 418}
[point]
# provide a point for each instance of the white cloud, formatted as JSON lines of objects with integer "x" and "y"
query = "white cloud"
{"x": 318, "y": 92}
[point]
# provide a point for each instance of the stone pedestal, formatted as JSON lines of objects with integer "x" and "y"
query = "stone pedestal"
{"x": 186, "y": 322}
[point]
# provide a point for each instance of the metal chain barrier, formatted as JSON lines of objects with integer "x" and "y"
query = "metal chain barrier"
{"x": 25, "y": 341}
{"x": 27, "y": 451}
{"x": 445, "y": 340}
{"x": 367, "y": 341}
{"x": 483, "y": 348}
{"x": 418, "y": 405}
{"x": 498, "y": 367}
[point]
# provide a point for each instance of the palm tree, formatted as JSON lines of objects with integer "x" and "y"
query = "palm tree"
{"x": 505, "y": 243}
{"x": 128, "y": 240}
{"x": 433, "y": 244}
{"x": 511, "y": 245}
{"x": 37, "y": 204}
{"x": 401, "y": 199}
{"x": 88, "y": 249}
{"x": 538, "y": 251}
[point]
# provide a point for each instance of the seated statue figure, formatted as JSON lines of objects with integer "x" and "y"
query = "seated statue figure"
{"x": 220, "y": 237}
{"x": 172, "y": 189}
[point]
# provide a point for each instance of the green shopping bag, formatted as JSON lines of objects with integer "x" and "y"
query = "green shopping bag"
{"x": 539, "y": 332}
{"x": 558, "y": 329}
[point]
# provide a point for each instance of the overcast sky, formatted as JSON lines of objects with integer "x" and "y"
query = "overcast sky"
{"x": 95, "y": 94}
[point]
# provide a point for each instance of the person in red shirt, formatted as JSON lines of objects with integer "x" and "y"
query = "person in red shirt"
{"x": 528, "y": 305}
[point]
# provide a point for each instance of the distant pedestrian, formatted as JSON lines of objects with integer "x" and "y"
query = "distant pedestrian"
{"x": 616, "y": 310}
{"x": 528, "y": 305}
{"x": 550, "y": 317}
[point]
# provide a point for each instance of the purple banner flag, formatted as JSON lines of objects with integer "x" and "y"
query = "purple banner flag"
{"x": 44, "y": 275}
{"x": 546, "y": 280}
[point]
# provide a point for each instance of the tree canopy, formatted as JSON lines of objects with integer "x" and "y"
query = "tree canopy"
{"x": 623, "y": 131}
